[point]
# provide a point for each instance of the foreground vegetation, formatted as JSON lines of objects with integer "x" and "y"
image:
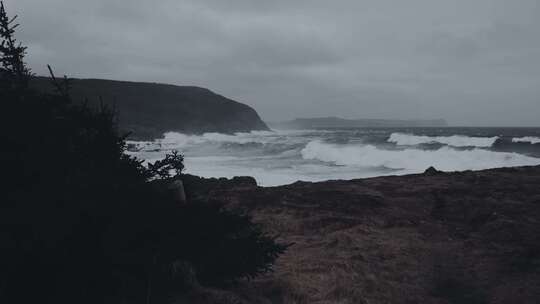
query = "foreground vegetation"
{"x": 468, "y": 237}
{"x": 82, "y": 222}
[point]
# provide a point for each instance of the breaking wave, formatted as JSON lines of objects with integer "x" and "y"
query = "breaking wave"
{"x": 285, "y": 156}
{"x": 413, "y": 160}
{"x": 240, "y": 138}
{"x": 402, "y": 139}
{"x": 526, "y": 139}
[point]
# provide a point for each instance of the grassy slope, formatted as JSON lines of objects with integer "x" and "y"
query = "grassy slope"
{"x": 471, "y": 237}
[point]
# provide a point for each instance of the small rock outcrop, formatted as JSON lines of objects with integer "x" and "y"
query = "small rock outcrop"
{"x": 200, "y": 188}
{"x": 176, "y": 189}
{"x": 431, "y": 171}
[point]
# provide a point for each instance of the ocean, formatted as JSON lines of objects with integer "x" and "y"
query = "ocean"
{"x": 282, "y": 157}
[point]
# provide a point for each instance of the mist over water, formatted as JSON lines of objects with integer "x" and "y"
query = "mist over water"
{"x": 285, "y": 156}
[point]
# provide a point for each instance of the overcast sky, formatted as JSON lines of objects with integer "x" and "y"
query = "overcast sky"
{"x": 472, "y": 62}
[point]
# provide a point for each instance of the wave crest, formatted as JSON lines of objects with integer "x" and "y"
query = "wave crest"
{"x": 414, "y": 160}
{"x": 402, "y": 139}
{"x": 181, "y": 140}
{"x": 526, "y": 139}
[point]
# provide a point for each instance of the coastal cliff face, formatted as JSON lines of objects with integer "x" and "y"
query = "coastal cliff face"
{"x": 150, "y": 109}
{"x": 464, "y": 237}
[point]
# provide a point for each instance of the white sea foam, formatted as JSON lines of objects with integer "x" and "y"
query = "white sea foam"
{"x": 403, "y": 139}
{"x": 180, "y": 141}
{"x": 282, "y": 157}
{"x": 527, "y": 139}
{"x": 183, "y": 140}
{"x": 413, "y": 160}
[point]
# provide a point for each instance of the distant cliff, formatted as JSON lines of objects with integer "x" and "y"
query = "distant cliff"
{"x": 336, "y": 122}
{"x": 150, "y": 109}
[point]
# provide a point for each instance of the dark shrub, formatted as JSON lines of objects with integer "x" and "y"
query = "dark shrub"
{"x": 80, "y": 221}
{"x": 225, "y": 246}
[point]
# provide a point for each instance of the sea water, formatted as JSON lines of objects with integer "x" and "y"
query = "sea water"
{"x": 281, "y": 157}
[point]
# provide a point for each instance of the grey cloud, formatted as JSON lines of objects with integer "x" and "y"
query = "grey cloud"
{"x": 473, "y": 63}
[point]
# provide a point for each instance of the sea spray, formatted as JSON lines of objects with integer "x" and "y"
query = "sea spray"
{"x": 413, "y": 160}
{"x": 527, "y": 139}
{"x": 454, "y": 140}
{"x": 282, "y": 157}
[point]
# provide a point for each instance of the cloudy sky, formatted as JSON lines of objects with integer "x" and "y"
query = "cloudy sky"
{"x": 472, "y": 62}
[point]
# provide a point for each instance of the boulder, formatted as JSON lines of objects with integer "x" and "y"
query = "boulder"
{"x": 431, "y": 171}
{"x": 176, "y": 188}
{"x": 243, "y": 181}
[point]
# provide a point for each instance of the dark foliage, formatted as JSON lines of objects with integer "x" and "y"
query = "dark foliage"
{"x": 225, "y": 246}
{"x": 162, "y": 168}
{"x": 80, "y": 221}
{"x": 14, "y": 74}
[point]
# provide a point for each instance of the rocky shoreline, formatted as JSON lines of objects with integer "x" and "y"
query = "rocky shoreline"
{"x": 460, "y": 237}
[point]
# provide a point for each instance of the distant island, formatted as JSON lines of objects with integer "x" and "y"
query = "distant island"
{"x": 147, "y": 110}
{"x": 336, "y": 122}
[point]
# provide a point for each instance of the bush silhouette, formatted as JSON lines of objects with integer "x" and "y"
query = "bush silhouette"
{"x": 82, "y": 222}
